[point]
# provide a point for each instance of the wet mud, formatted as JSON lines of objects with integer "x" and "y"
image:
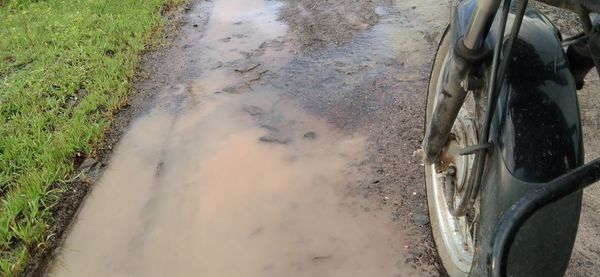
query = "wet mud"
{"x": 275, "y": 138}
{"x": 317, "y": 24}
{"x": 251, "y": 156}
{"x": 196, "y": 190}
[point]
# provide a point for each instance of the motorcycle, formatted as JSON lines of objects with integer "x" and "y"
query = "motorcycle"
{"x": 503, "y": 151}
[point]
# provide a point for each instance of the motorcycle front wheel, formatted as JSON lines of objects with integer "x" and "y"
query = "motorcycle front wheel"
{"x": 544, "y": 243}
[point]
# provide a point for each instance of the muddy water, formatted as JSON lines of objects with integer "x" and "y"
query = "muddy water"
{"x": 232, "y": 186}
{"x": 228, "y": 176}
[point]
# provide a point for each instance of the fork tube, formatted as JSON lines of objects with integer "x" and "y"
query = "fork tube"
{"x": 480, "y": 23}
{"x": 453, "y": 93}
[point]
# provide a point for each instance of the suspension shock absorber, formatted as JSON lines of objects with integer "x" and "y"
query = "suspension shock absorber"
{"x": 468, "y": 51}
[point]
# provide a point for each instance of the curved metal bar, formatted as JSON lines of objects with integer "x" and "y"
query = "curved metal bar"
{"x": 533, "y": 201}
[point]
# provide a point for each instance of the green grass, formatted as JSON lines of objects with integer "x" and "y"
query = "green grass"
{"x": 50, "y": 50}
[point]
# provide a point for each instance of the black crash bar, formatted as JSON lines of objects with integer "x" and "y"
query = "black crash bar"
{"x": 524, "y": 208}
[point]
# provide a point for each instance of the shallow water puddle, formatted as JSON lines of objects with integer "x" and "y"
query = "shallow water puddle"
{"x": 232, "y": 185}
{"x": 238, "y": 30}
{"x": 228, "y": 177}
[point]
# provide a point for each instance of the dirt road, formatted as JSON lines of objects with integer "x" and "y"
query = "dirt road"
{"x": 273, "y": 138}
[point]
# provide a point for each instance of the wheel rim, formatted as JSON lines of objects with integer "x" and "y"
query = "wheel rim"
{"x": 447, "y": 180}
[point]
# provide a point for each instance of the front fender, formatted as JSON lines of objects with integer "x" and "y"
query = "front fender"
{"x": 538, "y": 127}
{"x": 537, "y": 136}
{"x": 537, "y": 124}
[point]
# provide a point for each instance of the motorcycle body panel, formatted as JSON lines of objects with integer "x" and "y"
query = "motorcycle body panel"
{"x": 537, "y": 136}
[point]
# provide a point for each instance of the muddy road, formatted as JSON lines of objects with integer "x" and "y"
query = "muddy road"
{"x": 272, "y": 138}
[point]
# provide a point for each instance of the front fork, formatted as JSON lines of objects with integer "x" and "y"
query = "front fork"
{"x": 469, "y": 50}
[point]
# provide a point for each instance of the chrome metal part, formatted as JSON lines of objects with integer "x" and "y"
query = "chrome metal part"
{"x": 480, "y": 23}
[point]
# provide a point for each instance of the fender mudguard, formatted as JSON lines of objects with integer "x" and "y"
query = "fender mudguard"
{"x": 536, "y": 131}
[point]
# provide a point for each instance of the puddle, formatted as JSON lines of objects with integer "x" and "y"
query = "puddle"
{"x": 237, "y": 30}
{"x": 232, "y": 186}
{"x": 227, "y": 176}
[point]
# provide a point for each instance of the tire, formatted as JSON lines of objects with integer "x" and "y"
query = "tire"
{"x": 455, "y": 248}
{"x": 536, "y": 136}
{"x": 544, "y": 243}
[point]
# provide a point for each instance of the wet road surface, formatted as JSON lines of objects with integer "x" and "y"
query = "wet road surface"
{"x": 256, "y": 155}
{"x": 271, "y": 138}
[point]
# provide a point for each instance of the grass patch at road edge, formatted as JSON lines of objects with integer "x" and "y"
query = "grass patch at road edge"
{"x": 65, "y": 68}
